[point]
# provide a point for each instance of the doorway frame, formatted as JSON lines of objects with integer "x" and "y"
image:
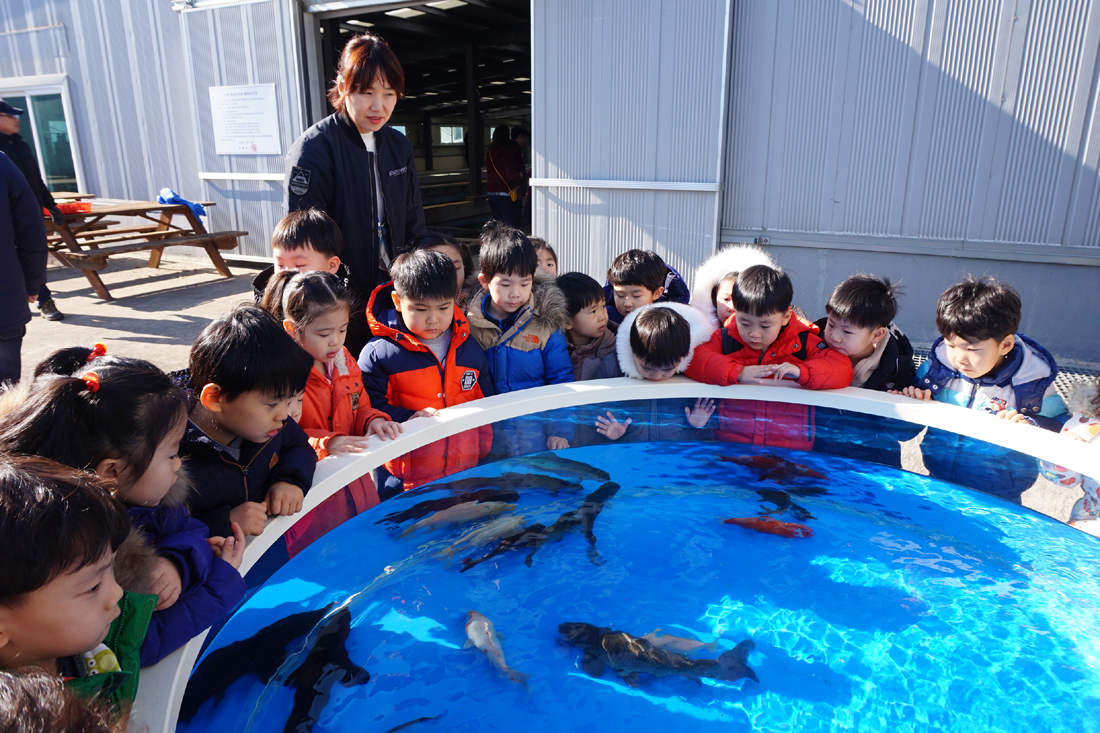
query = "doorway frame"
{"x": 41, "y": 85}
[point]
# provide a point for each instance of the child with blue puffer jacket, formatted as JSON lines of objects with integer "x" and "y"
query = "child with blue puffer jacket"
{"x": 124, "y": 419}
{"x": 518, "y": 319}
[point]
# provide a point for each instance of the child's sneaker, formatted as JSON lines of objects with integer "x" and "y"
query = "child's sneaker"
{"x": 49, "y": 311}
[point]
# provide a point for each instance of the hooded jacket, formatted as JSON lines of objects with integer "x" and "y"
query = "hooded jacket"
{"x": 676, "y": 291}
{"x": 402, "y": 376}
{"x": 22, "y": 246}
{"x": 895, "y": 369}
{"x": 779, "y": 424}
{"x": 222, "y": 483}
{"x": 715, "y": 268}
{"x": 210, "y": 586}
{"x": 598, "y": 359}
{"x": 328, "y": 168}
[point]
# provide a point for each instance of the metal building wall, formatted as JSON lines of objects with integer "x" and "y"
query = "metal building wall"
{"x": 627, "y": 120}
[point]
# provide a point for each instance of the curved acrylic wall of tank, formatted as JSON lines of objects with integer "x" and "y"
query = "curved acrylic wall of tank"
{"x": 913, "y": 597}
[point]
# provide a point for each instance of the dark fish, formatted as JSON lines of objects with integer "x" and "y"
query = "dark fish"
{"x": 806, "y": 491}
{"x": 565, "y": 466}
{"x": 263, "y": 655}
{"x": 801, "y": 513}
{"x": 424, "y": 508}
{"x": 534, "y": 536}
{"x": 632, "y": 656}
{"x": 326, "y": 664}
{"x": 781, "y": 499}
{"x": 774, "y": 468}
{"x": 411, "y": 723}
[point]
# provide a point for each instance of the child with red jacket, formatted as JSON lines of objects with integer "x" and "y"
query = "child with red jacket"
{"x": 423, "y": 359}
{"x": 764, "y": 342}
{"x": 314, "y": 308}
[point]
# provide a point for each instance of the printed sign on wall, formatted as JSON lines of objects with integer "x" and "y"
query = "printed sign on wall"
{"x": 246, "y": 120}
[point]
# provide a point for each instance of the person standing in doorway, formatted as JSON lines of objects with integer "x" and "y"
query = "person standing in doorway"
{"x": 504, "y": 177}
{"x": 15, "y": 147}
{"x": 22, "y": 263}
{"x": 521, "y": 137}
{"x": 360, "y": 172}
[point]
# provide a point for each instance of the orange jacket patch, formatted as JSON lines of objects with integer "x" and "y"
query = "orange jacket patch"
{"x": 531, "y": 338}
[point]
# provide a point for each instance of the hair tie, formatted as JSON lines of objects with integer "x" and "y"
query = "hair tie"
{"x": 91, "y": 381}
{"x": 100, "y": 349}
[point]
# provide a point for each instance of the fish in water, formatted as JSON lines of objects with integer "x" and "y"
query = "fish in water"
{"x": 678, "y": 644}
{"x": 264, "y": 653}
{"x": 491, "y": 532}
{"x": 632, "y": 656}
{"x": 801, "y": 513}
{"x": 564, "y": 466}
{"x": 536, "y": 535}
{"x": 481, "y": 633}
{"x": 411, "y": 723}
{"x": 806, "y": 491}
{"x": 767, "y": 525}
{"x": 461, "y": 514}
{"x": 774, "y": 468}
{"x": 781, "y": 499}
{"x": 425, "y": 508}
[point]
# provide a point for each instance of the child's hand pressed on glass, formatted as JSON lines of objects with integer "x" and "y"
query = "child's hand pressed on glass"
{"x": 611, "y": 428}
{"x": 284, "y": 499}
{"x": 165, "y": 582}
{"x": 698, "y": 416}
{"x": 556, "y": 443}
{"x": 251, "y": 516}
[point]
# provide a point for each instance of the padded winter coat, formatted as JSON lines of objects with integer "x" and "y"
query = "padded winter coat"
{"x": 778, "y": 424}
{"x": 402, "y": 376}
{"x": 597, "y": 359}
{"x": 895, "y": 369}
{"x": 117, "y": 688}
{"x": 22, "y": 246}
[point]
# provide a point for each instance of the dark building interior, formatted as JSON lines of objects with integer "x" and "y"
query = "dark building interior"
{"x": 467, "y": 70}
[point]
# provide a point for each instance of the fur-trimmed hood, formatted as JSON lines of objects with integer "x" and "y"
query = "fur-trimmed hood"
{"x": 707, "y": 276}
{"x": 1080, "y": 398}
{"x": 701, "y": 330}
{"x": 545, "y": 312}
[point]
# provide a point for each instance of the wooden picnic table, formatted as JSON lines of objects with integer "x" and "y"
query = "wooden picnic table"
{"x": 84, "y": 243}
{"x": 72, "y": 195}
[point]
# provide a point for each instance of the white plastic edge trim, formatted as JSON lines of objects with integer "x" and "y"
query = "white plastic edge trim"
{"x": 633, "y": 185}
{"x": 241, "y": 176}
{"x": 161, "y": 687}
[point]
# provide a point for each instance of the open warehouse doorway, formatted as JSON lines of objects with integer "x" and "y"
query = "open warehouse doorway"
{"x": 467, "y": 70}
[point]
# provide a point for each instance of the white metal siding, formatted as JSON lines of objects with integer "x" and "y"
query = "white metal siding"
{"x": 632, "y": 92}
{"x": 959, "y": 121}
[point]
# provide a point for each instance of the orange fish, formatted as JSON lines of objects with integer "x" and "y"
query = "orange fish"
{"x": 772, "y": 526}
{"x": 774, "y": 468}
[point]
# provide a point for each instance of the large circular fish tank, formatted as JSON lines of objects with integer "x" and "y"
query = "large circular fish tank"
{"x": 674, "y": 579}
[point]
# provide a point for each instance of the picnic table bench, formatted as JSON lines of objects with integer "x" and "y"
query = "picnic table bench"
{"x": 87, "y": 239}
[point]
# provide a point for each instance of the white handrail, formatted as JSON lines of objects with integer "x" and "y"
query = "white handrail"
{"x": 162, "y": 686}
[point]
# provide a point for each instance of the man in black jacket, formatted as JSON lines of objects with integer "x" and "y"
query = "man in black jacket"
{"x": 15, "y": 147}
{"x": 22, "y": 263}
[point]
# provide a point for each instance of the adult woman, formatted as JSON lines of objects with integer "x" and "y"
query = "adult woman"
{"x": 360, "y": 172}
{"x": 504, "y": 174}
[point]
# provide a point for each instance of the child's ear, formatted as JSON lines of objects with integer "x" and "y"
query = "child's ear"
{"x": 878, "y": 334}
{"x": 481, "y": 279}
{"x": 333, "y": 264}
{"x": 211, "y": 397}
{"x": 1007, "y": 344}
{"x": 569, "y": 325}
{"x": 658, "y": 293}
{"x": 787, "y": 315}
{"x": 109, "y": 468}
{"x": 288, "y": 326}
{"x": 396, "y": 300}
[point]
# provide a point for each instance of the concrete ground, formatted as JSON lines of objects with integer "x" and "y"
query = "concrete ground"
{"x": 157, "y": 314}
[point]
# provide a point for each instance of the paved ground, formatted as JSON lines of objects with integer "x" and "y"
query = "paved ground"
{"x": 156, "y": 315}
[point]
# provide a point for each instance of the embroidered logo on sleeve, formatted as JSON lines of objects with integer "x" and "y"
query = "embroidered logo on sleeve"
{"x": 399, "y": 171}
{"x": 822, "y": 345}
{"x": 299, "y": 181}
{"x": 469, "y": 379}
{"x": 354, "y": 401}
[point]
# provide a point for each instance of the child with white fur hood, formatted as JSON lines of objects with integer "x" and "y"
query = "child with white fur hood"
{"x": 655, "y": 342}
{"x": 1084, "y": 425}
{"x": 712, "y": 293}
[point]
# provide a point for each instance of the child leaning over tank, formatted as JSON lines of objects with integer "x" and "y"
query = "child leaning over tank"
{"x": 1083, "y": 425}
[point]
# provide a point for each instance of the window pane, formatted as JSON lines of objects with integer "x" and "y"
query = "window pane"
{"x": 450, "y": 135}
{"x": 53, "y": 139}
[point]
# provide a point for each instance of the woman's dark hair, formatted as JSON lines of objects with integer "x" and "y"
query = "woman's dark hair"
{"x": 581, "y": 291}
{"x": 500, "y": 138}
{"x": 37, "y": 702}
{"x": 638, "y": 267}
{"x": 365, "y": 57}
{"x": 519, "y": 131}
{"x": 978, "y": 310}
{"x": 114, "y": 407}
{"x": 303, "y": 297}
{"x": 541, "y": 244}
{"x": 761, "y": 290}
{"x": 246, "y": 350}
{"x": 52, "y": 518}
{"x": 424, "y": 275}
{"x": 308, "y": 229}
{"x": 506, "y": 250}
{"x": 660, "y": 336}
{"x": 865, "y": 301}
{"x": 438, "y": 239}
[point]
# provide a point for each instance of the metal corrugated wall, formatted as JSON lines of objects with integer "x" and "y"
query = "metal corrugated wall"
{"x": 968, "y": 122}
{"x": 244, "y": 44}
{"x": 626, "y": 92}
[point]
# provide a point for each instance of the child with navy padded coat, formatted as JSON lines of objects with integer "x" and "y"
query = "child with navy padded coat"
{"x": 247, "y": 458}
{"x": 124, "y": 419}
{"x": 518, "y": 318}
{"x": 637, "y": 278}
